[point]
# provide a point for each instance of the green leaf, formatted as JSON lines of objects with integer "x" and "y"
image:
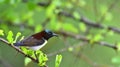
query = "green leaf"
{"x": 82, "y": 27}
{"x": 91, "y": 38}
{"x": 50, "y": 9}
{"x": 27, "y": 61}
{"x": 76, "y": 15}
{"x": 30, "y": 22}
{"x": 94, "y": 38}
{"x": 103, "y": 9}
{"x": 18, "y": 35}
{"x": 110, "y": 32}
{"x": 28, "y": 15}
{"x": 70, "y": 27}
{"x": 116, "y": 60}
{"x": 42, "y": 58}
{"x": 38, "y": 28}
{"x": 16, "y": 19}
{"x": 13, "y": 16}
{"x": 70, "y": 49}
{"x": 53, "y": 22}
{"x": 82, "y": 3}
{"x": 58, "y": 26}
{"x": 118, "y": 46}
{"x": 108, "y": 16}
{"x": 27, "y": 52}
{"x": 54, "y": 25}
{"x": 69, "y": 5}
{"x": 58, "y": 60}
{"x": 57, "y": 2}
{"x": 31, "y": 5}
{"x": 1, "y": 32}
{"x": 10, "y": 37}
{"x": 12, "y": 2}
{"x": 97, "y": 37}
{"x": 30, "y": 52}
{"x": 24, "y": 49}
{"x": 22, "y": 38}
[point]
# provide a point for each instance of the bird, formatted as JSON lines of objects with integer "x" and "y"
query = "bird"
{"x": 36, "y": 41}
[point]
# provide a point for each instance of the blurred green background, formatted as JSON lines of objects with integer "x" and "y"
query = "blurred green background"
{"x": 32, "y": 16}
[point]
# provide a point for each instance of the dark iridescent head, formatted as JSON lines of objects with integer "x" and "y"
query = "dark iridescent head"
{"x": 49, "y": 34}
{"x": 45, "y": 33}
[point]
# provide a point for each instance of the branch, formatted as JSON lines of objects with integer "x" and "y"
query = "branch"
{"x": 45, "y": 4}
{"x": 83, "y": 19}
{"x": 83, "y": 38}
{"x": 89, "y": 22}
{"x": 17, "y": 49}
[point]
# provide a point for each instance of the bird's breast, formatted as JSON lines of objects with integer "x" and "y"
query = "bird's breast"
{"x": 37, "y": 47}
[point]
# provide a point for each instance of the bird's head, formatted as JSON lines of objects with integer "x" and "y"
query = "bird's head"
{"x": 48, "y": 34}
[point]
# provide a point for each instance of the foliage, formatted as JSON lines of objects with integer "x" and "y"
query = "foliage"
{"x": 88, "y": 30}
{"x": 10, "y": 37}
{"x": 42, "y": 58}
{"x": 58, "y": 60}
{"x": 1, "y": 33}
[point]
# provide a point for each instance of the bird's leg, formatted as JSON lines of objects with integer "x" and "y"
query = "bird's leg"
{"x": 36, "y": 55}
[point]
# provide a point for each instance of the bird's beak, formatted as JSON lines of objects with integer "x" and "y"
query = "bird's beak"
{"x": 55, "y": 35}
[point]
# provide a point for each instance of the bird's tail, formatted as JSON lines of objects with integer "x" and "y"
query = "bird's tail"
{"x": 18, "y": 44}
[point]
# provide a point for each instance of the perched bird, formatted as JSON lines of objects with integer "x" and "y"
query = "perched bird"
{"x": 36, "y": 41}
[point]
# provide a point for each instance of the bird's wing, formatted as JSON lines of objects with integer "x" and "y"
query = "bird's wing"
{"x": 30, "y": 41}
